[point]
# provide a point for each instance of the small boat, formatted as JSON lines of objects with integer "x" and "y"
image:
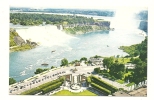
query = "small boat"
{"x": 44, "y": 64}
{"x": 53, "y": 51}
{"x": 107, "y": 46}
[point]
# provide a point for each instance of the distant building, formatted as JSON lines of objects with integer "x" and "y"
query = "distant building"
{"x": 96, "y": 61}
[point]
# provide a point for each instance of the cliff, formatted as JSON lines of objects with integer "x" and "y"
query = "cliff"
{"x": 84, "y": 28}
{"x": 18, "y": 44}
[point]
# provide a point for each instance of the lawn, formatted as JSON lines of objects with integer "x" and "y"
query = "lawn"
{"x": 123, "y": 60}
{"x": 120, "y": 81}
{"x": 68, "y": 93}
{"x": 130, "y": 84}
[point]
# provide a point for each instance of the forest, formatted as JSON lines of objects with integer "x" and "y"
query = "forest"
{"x": 37, "y": 19}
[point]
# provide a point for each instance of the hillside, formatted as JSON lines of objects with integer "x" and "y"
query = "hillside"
{"x": 16, "y": 43}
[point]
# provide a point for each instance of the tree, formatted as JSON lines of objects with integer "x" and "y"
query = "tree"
{"x": 108, "y": 62}
{"x": 136, "y": 53}
{"x": 83, "y": 58}
{"x": 140, "y": 73}
{"x": 64, "y": 62}
{"x": 52, "y": 67}
{"x": 11, "y": 81}
{"x": 117, "y": 70}
{"x": 120, "y": 75}
{"x": 39, "y": 70}
{"x": 137, "y": 61}
{"x": 97, "y": 70}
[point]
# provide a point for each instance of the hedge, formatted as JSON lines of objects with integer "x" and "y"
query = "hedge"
{"x": 52, "y": 87}
{"x": 89, "y": 79}
{"x": 41, "y": 87}
{"x": 104, "y": 84}
{"x": 32, "y": 91}
{"x": 103, "y": 90}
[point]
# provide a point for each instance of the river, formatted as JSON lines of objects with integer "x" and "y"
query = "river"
{"x": 24, "y": 63}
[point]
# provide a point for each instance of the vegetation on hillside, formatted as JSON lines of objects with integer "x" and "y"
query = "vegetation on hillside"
{"x": 14, "y": 46}
{"x": 37, "y": 19}
{"x": 115, "y": 67}
{"x": 12, "y": 81}
{"x": 71, "y": 23}
{"x": 13, "y": 33}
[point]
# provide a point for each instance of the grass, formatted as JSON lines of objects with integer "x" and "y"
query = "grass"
{"x": 130, "y": 84}
{"x": 120, "y": 81}
{"x": 68, "y": 93}
{"x": 123, "y": 60}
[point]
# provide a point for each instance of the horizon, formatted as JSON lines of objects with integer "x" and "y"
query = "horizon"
{"x": 79, "y": 4}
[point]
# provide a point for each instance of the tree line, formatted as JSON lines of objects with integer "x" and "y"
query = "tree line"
{"x": 37, "y": 19}
{"x": 117, "y": 70}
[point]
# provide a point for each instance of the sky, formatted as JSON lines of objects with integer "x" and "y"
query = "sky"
{"x": 82, "y": 4}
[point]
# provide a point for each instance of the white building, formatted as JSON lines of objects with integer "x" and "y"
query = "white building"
{"x": 130, "y": 66}
{"x": 96, "y": 61}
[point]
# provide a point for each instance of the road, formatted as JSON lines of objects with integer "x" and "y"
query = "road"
{"x": 52, "y": 74}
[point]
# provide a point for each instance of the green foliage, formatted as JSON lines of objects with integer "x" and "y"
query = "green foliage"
{"x": 37, "y": 19}
{"x": 120, "y": 81}
{"x": 129, "y": 49}
{"x": 130, "y": 84}
{"x": 11, "y": 81}
{"x": 41, "y": 87}
{"x": 89, "y": 79}
{"x": 137, "y": 61}
{"x": 83, "y": 59}
{"x": 79, "y": 29}
{"x": 137, "y": 50}
{"x": 64, "y": 62}
{"x": 22, "y": 48}
{"x": 103, "y": 84}
{"x": 51, "y": 87}
{"x": 140, "y": 73}
{"x": 39, "y": 70}
{"x": 108, "y": 62}
{"x": 104, "y": 90}
{"x": 117, "y": 70}
{"x": 13, "y": 33}
{"x": 97, "y": 70}
{"x": 68, "y": 93}
{"x": 52, "y": 67}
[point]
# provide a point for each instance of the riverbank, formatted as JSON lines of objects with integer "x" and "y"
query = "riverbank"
{"x": 85, "y": 29}
{"x": 21, "y": 48}
{"x": 17, "y": 43}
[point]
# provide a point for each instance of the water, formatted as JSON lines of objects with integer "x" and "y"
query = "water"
{"x": 24, "y": 63}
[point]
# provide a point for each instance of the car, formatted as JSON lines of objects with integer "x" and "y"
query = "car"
{"x": 88, "y": 72}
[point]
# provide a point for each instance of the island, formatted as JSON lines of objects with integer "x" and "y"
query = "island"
{"x": 71, "y": 24}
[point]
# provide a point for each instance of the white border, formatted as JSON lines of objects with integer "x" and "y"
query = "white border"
{"x": 4, "y": 43}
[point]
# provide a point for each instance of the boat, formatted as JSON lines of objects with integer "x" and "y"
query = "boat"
{"x": 53, "y": 51}
{"x": 107, "y": 45}
{"x": 44, "y": 64}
